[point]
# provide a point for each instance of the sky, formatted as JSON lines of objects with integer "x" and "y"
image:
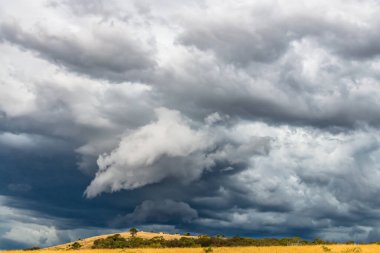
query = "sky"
{"x": 251, "y": 118}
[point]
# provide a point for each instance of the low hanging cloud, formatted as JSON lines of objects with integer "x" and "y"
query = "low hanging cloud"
{"x": 25, "y": 228}
{"x": 158, "y": 212}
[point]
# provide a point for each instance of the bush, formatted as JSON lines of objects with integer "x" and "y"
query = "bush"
{"x": 116, "y": 241}
{"x": 111, "y": 242}
{"x": 75, "y": 245}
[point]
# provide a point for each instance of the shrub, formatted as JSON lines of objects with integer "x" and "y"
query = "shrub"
{"x": 116, "y": 241}
{"x": 75, "y": 245}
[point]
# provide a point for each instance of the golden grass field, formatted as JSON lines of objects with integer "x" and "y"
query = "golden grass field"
{"x": 369, "y": 248}
{"x": 88, "y": 242}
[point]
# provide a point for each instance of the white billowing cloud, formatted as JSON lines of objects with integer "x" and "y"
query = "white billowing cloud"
{"x": 328, "y": 155}
{"x": 171, "y": 148}
{"x": 309, "y": 179}
{"x": 16, "y": 100}
{"x": 304, "y": 161}
{"x": 168, "y": 147}
{"x": 16, "y": 97}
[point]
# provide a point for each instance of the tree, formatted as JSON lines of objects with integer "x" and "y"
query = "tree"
{"x": 133, "y": 231}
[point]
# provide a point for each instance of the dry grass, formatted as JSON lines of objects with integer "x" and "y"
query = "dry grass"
{"x": 370, "y": 248}
{"x": 88, "y": 242}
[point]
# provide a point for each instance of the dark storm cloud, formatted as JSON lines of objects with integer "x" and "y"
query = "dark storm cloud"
{"x": 257, "y": 94}
{"x": 261, "y": 115}
{"x": 160, "y": 211}
{"x": 268, "y": 54}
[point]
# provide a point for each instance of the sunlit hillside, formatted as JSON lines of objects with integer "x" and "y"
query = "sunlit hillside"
{"x": 88, "y": 242}
{"x": 370, "y": 248}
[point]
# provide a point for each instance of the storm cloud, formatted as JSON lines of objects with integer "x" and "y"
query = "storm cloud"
{"x": 255, "y": 118}
{"x": 162, "y": 211}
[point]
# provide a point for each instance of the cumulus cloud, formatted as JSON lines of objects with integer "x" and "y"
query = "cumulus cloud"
{"x": 169, "y": 148}
{"x": 309, "y": 180}
{"x": 149, "y": 154}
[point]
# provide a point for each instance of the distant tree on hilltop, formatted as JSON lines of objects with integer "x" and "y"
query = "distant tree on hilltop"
{"x": 133, "y": 231}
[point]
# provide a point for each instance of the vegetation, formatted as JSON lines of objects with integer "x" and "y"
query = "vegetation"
{"x": 143, "y": 242}
{"x": 75, "y": 245}
{"x": 117, "y": 241}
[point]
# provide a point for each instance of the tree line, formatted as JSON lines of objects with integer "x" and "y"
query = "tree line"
{"x": 117, "y": 241}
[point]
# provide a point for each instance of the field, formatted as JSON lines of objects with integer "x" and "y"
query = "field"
{"x": 370, "y": 248}
{"x": 87, "y": 243}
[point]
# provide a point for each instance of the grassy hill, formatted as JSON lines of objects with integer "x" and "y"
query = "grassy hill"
{"x": 86, "y": 246}
{"x": 88, "y": 242}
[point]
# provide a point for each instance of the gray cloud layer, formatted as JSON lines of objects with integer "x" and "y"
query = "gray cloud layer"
{"x": 159, "y": 211}
{"x": 263, "y": 116}
{"x": 105, "y": 52}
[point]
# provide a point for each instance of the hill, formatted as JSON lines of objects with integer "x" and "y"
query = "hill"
{"x": 88, "y": 242}
{"x": 163, "y": 242}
